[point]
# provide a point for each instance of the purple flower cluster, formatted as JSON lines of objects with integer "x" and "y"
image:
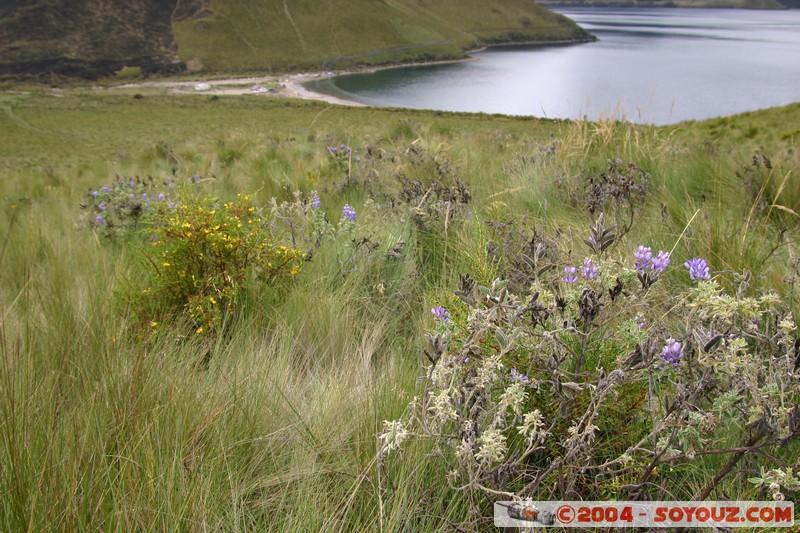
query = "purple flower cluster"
{"x": 342, "y": 149}
{"x": 120, "y": 204}
{"x": 671, "y": 352}
{"x": 349, "y": 213}
{"x": 316, "y": 202}
{"x": 698, "y": 269}
{"x": 589, "y": 270}
{"x": 343, "y": 153}
{"x": 661, "y": 261}
{"x": 441, "y": 313}
{"x": 569, "y": 274}
{"x": 645, "y": 260}
{"x": 518, "y": 377}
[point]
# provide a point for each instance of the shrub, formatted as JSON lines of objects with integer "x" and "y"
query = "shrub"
{"x": 117, "y": 209}
{"x": 606, "y": 383}
{"x": 203, "y": 253}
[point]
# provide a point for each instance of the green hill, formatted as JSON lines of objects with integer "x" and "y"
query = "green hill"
{"x": 275, "y": 35}
{"x": 96, "y": 38}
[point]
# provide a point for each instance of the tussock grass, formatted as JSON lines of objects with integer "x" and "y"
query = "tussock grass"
{"x": 102, "y": 427}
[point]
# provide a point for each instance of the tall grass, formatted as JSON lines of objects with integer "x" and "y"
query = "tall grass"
{"x": 103, "y": 427}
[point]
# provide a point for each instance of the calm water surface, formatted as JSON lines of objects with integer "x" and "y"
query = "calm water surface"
{"x": 657, "y": 66}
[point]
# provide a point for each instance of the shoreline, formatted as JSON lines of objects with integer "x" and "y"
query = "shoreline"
{"x": 294, "y": 82}
{"x": 292, "y": 85}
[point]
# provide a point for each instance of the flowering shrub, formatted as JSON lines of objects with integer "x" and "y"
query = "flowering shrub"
{"x": 346, "y": 163}
{"x": 203, "y": 253}
{"x": 300, "y": 221}
{"x": 116, "y": 209}
{"x": 591, "y": 388}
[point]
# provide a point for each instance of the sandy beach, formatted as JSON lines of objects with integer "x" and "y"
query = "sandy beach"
{"x": 282, "y": 86}
{"x": 286, "y": 86}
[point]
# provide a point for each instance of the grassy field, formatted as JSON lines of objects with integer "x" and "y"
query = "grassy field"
{"x": 113, "y": 420}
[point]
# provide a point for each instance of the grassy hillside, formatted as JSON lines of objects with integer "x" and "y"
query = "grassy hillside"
{"x": 98, "y": 38}
{"x": 273, "y": 35}
{"x": 121, "y": 413}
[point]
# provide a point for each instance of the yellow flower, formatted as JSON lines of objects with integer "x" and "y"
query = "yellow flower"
{"x": 165, "y": 264}
{"x": 212, "y": 300}
{"x": 199, "y": 330}
{"x": 153, "y": 324}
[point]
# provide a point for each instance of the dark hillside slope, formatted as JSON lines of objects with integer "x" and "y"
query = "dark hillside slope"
{"x": 89, "y": 38}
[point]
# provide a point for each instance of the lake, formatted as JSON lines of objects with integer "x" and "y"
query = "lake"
{"x": 650, "y": 65}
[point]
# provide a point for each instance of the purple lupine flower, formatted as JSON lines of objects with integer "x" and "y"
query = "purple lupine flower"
{"x": 99, "y": 220}
{"x": 661, "y": 261}
{"x": 671, "y": 352}
{"x": 358, "y": 160}
{"x": 196, "y": 178}
{"x": 131, "y": 184}
{"x": 333, "y": 149}
{"x": 589, "y": 270}
{"x": 349, "y": 213}
{"x": 105, "y": 188}
{"x": 144, "y": 197}
{"x": 441, "y": 313}
{"x": 644, "y": 257}
{"x": 316, "y": 202}
{"x": 342, "y": 147}
{"x": 641, "y": 321}
{"x": 102, "y": 206}
{"x": 161, "y": 197}
{"x": 172, "y": 205}
{"x": 698, "y": 269}
{"x": 518, "y": 377}
{"x": 569, "y": 274}
{"x": 93, "y": 193}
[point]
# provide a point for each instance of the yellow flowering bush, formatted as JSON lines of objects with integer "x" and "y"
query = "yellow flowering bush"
{"x": 203, "y": 253}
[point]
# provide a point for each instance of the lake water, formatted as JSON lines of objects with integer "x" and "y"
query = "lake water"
{"x": 649, "y": 65}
